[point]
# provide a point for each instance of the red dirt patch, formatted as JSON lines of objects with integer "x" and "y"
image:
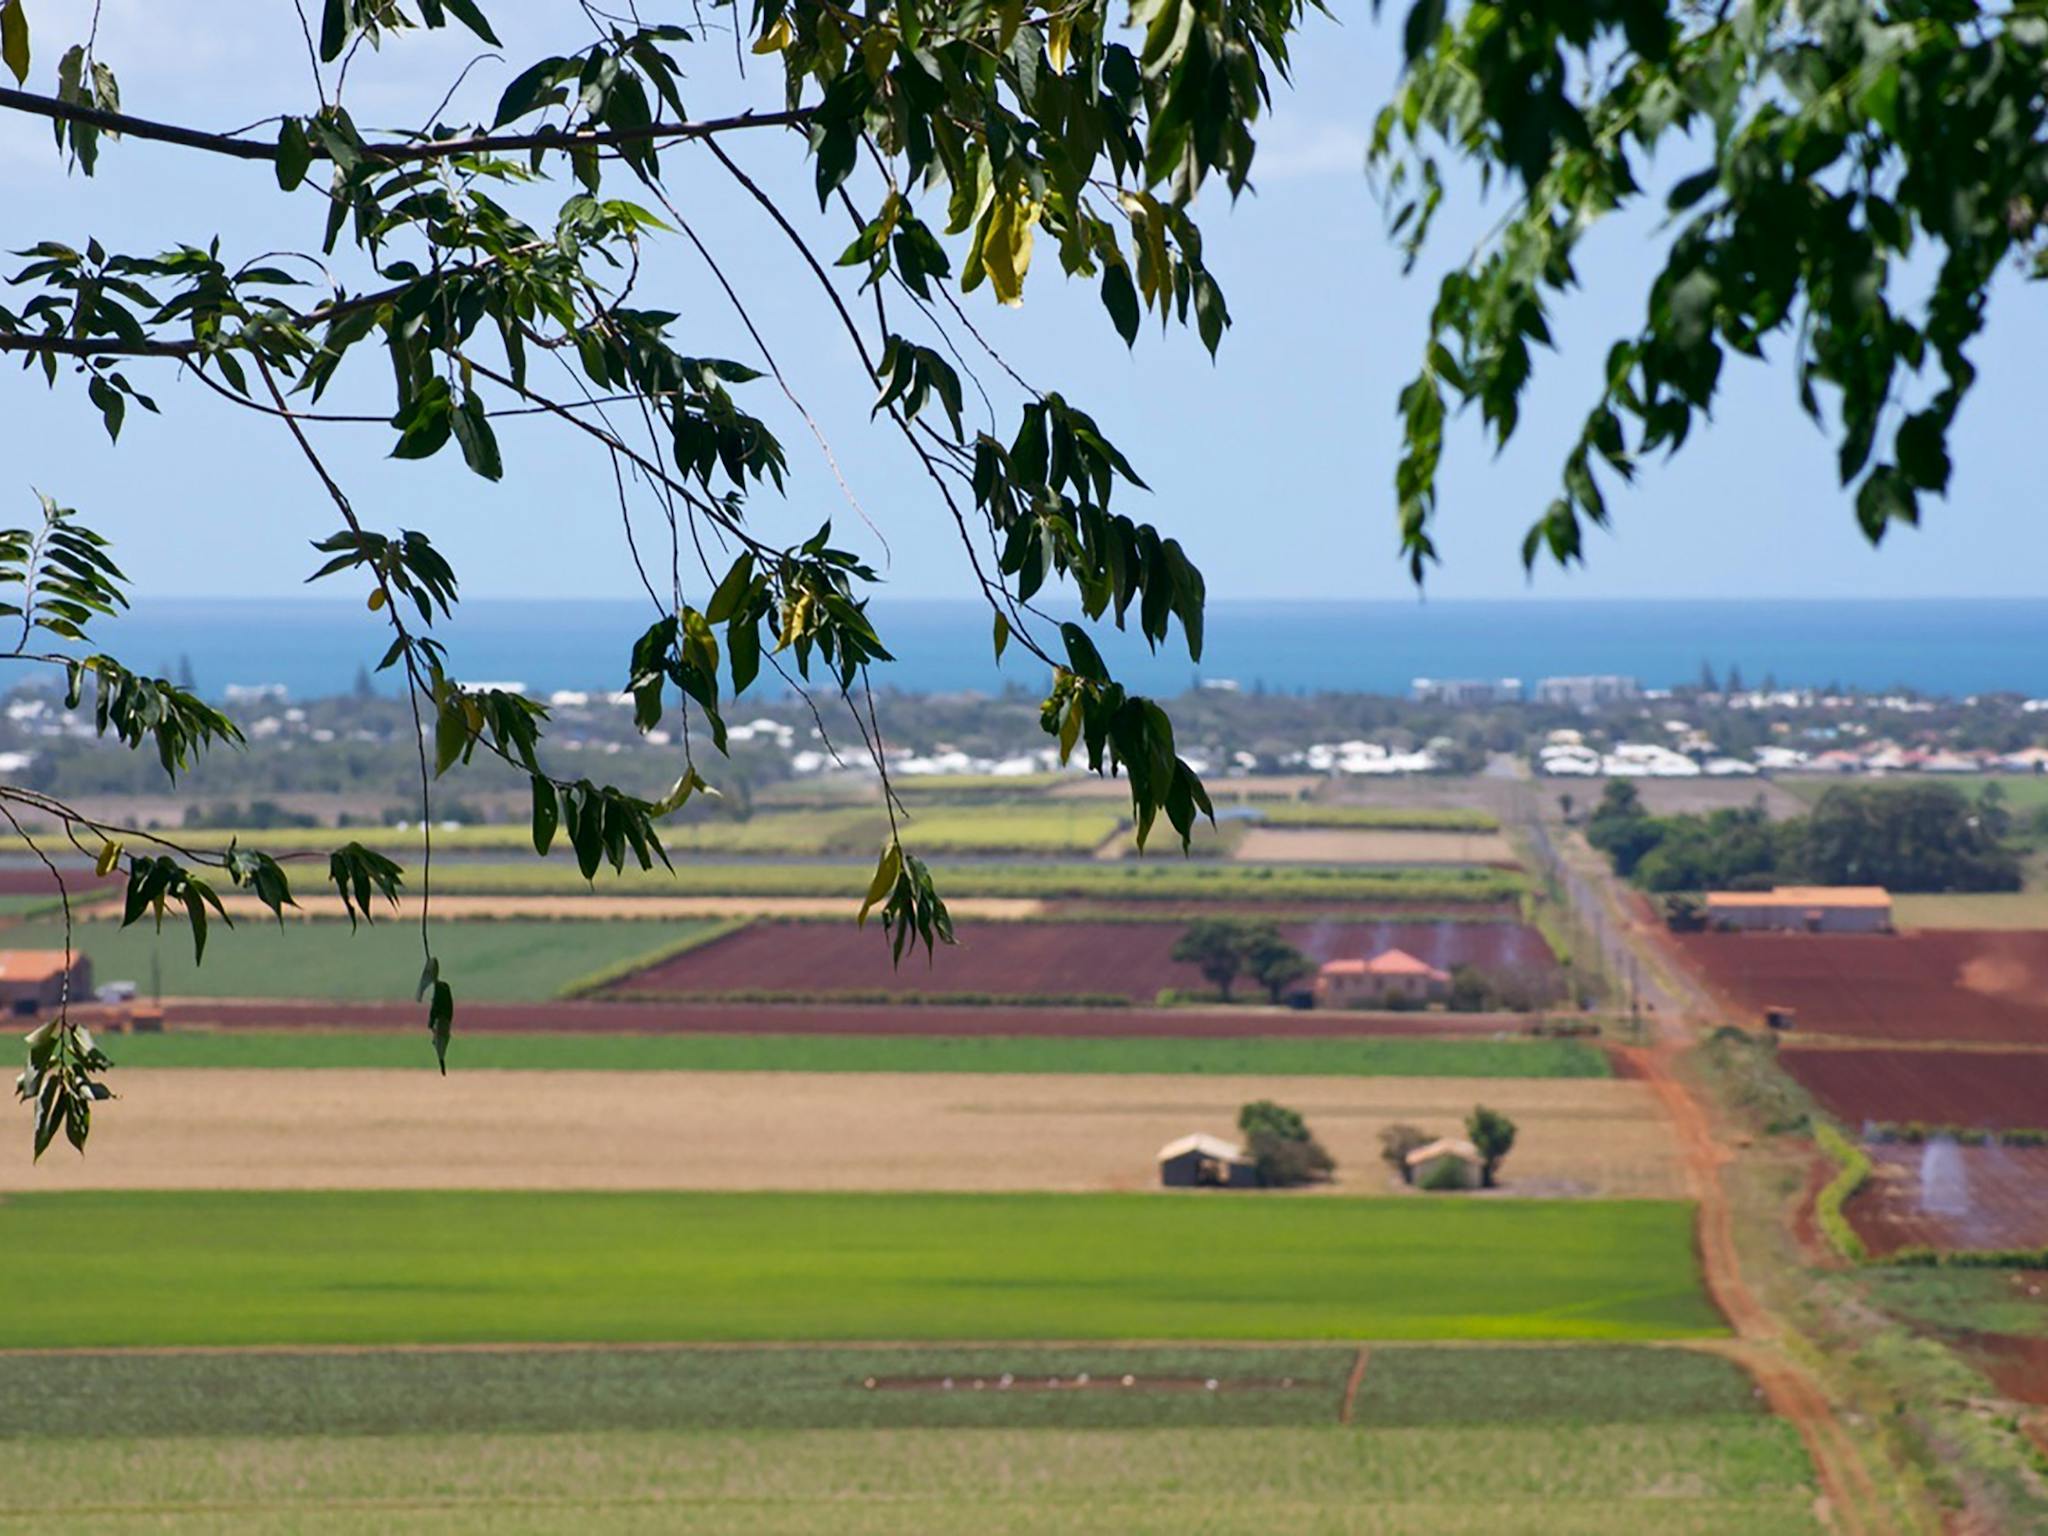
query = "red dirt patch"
{"x": 1976, "y": 985}
{"x": 1987, "y": 1090}
{"x": 838, "y": 1019}
{"x": 1132, "y": 960}
{"x": 1952, "y": 1198}
{"x": 2017, "y": 1365}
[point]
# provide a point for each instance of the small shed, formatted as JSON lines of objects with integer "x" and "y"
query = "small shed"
{"x": 1202, "y": 1161}
{"x": 1393, "y": 975}
{"x": 32, "y": 981}
{"x": 1447, "y": 1162}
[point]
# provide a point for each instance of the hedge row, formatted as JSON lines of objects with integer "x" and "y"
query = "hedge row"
{"x": 1852, "y": 1168}
{"x": 1913, "y": 1133}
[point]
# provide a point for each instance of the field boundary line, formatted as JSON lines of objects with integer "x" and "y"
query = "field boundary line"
{"x": 792, "y": 1346}
{"x": 1356, "y": 1379}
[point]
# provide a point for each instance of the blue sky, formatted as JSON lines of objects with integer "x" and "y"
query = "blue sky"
{"x": 1272, "y": 465}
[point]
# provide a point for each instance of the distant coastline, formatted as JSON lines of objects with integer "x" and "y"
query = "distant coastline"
{"x": 1934, "y": 646}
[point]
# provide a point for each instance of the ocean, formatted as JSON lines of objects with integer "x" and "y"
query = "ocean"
{"x": 1938, "y": 646}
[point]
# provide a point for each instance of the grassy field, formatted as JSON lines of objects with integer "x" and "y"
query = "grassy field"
{"x": 1707, "y": 1477}
{"x": 115, "y": 1395}
{"x": 509, "y": 961}
{"x": 392, "y": 1267}
{"x": 1981, "y": 1300}
{"x": 1023, "y": 826}
{"x": 1390, "y": 1057}
{"x": 2024, "y": 792}
{"x": 1162, "y": 878}
{"x": 2002, "y": 909}
{"x": 1390, "y": 818}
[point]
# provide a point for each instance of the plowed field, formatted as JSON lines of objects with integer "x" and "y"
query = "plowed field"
{"x": 1989, "y": 1090}
{"x": 1950, "y": 1197}
{"x": 1955, "y": 985}
{"x": 669, "y": 1018}
{"x": 479, "y": 1129}
{"x": 1133, "y": 960}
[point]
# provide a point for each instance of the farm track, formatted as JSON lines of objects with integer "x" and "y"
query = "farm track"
{"x": 1852, "y": 1504}
{"x": 581, "y": 1017}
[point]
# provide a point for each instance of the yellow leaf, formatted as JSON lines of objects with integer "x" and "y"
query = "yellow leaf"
{"x": 14, "y": 40}
{"x": 110, "y": 855}
{"x": 887, "y": 871}
{"x": 1006, "y": 246}
{"x": 1059, "y": 35}
{"x": 776, "y": 38}
{"x": 376, "y": 599}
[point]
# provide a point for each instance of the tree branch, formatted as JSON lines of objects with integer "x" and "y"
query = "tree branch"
{"x": 389, "y": 154}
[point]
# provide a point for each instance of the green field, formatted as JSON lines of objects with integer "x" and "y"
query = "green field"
{"x": 2024, "y": 792}
{"x": 1387, "y": 1057}
{"x": 397, "y": 1267}
{"x": 1708, "y": 1477}
{"x": 1027, "y": 826}
{"x": 509, "y": 961}
{"x": 1386, "y": 818}
{"x": 2026, "y": 909}
{"x": 1978, "y": 1300}
{"x": 117, "y": 1395}
{"x": 1162, "y": 877}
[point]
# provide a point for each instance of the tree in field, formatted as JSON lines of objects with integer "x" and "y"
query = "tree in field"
{"x": 1396, "y": 1142}
{"x": 1218, "y": 947}
{"x": 1278, "y": 1140}
{"x": 1274, "y": 963}
{"x": 1565, "y": 802}
{"x": 1493, "y": 1134}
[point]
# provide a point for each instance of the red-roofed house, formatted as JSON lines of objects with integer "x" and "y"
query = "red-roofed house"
{"x": 32, "y": 980}
{"x": 1394, "y": 975}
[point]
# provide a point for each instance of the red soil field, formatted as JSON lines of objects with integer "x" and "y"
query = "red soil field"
{"x": 1985, "y": 1090}
{"x": 1081, "y": 960}
{"x": 837, "y": 1019}
{"x": 2016, "y": 1363}
{"x": 1954, "y": 985}
{"x": 1952, "y": 1198}
{"x": 37, "y": 881}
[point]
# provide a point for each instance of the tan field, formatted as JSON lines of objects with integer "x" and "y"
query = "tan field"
{"x": 649, "y": 908}
{"x": 335, "y": 1129}
{"x": 1369, "y": 845}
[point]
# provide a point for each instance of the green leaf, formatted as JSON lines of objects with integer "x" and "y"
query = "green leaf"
{"x": 441, "y": 1021}
{"x": 334, "y": 30}
{"x": 451, "y": 733}
{"x": 467, "y": 13}
{"x": 14, "y": 40}
{"x": 547, "y": 814}
{"x": 1120, "y": 298}
{"x": 1425, "y": 22}
{"x": 1002, "y": 633}
{"x": 473, "y": 433}
{"x": 294, "y": 153}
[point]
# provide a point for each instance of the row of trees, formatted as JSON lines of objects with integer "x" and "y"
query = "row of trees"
{"x": 1278, "y": 1140}
{"x": 1225, "y": 948}
{"x": 1913, "y": 837}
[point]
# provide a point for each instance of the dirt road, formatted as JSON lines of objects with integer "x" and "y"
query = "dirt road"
{"x": 1680, "y": 1009}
